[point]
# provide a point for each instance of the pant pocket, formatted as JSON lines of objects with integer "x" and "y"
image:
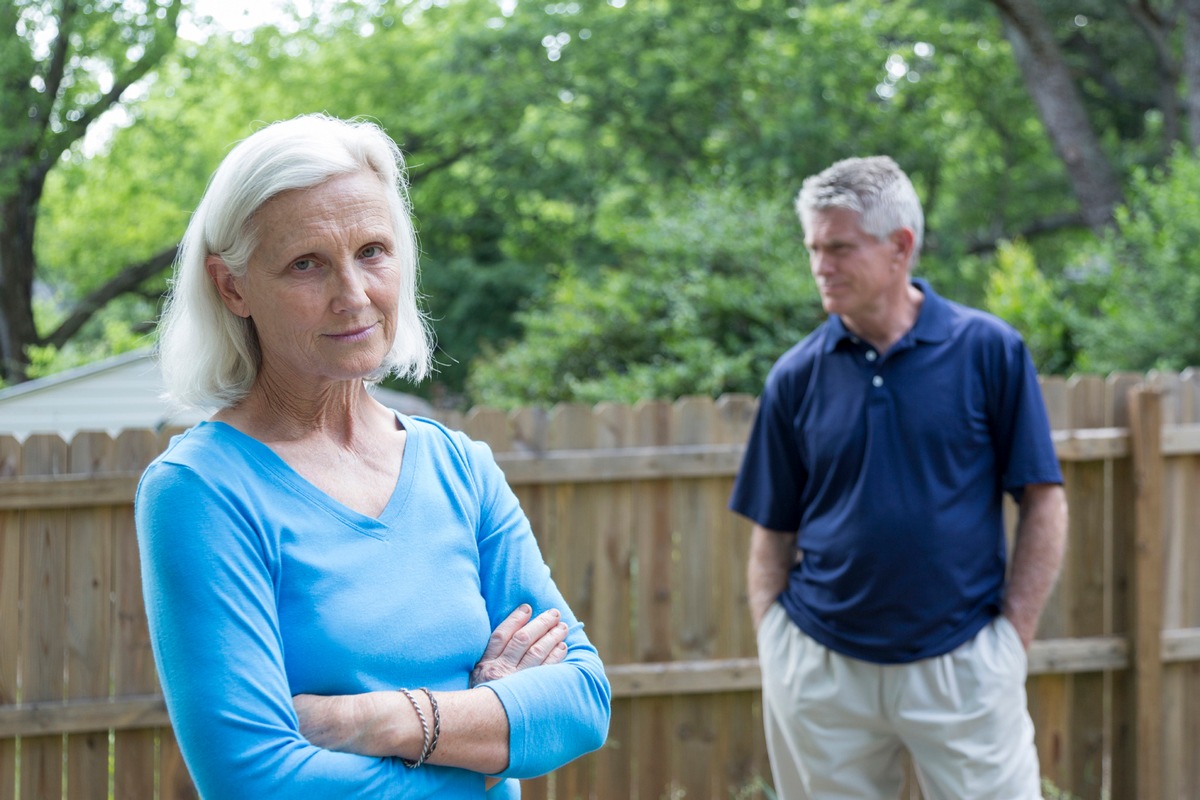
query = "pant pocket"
{"x": 1006, "y": 632}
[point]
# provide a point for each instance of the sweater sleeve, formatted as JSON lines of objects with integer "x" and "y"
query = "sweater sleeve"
{"x": 209, "y": 582}
{"x": 555, "y": 713}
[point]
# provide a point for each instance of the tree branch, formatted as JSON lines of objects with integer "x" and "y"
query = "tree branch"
{"x": 1061, "y": 109}
{"x": 1147, "y": 9}
{"x": 427, "y": 168}
{"x": 57, "y": 66}
{"x": 151, "y": 56}
{"x": 1191, "y": 69}
{"x": 1158, "y": 28}
{"x": 1099, "y": 68}
{"x": 71, "y": 132}
{"x": 127, "y": 280}
{"x": 1039, "y": 227}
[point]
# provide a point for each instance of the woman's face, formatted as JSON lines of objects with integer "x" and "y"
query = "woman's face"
{"x": 322, "y": 285}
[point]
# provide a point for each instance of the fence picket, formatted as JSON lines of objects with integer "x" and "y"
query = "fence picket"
{"x": 489, "y": 425}
{"x": 652, "y": 738}
{"x": 174, "y": 782}
{"x": 134, "y": 751}
{"x": 89, "y": 555}
{"x": 1189, "y": 400}
{"x": 741, "y": 756}
{"x": 697, "y": 611}
{"x": 10, "y": 597}
{"x": 1145, "y": 676}
{"x": 1120, "y": 505}
{"x": 1181, "y": 569}
{"x": 572, "y": 510}
{"x": 1085, "y": 585}
{"x": 608, "y": 625}
{"x": 43, "y": 615}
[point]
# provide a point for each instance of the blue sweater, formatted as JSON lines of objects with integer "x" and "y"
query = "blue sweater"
{"x": 259, "y": 586}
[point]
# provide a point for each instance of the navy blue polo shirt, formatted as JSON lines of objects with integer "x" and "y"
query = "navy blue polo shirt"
{"x": 891, "y": 469}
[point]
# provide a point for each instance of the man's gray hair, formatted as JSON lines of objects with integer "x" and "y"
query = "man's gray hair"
{"x": 210, "y": 357}
{"x": 876, "y": 188}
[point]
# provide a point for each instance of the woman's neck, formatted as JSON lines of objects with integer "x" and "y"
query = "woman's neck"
{"x": 339, "y": 412}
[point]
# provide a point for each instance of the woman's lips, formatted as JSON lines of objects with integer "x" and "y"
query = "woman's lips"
{"x": 354, "y": 334}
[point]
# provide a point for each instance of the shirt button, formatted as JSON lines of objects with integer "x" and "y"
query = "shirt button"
{"x": 877, "y": 381}
{"x": 872, "y": 355}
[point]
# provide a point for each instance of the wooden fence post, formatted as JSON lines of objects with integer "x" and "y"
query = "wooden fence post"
{"x": 1146, "y": 597}
{"x": 10, "y": 596}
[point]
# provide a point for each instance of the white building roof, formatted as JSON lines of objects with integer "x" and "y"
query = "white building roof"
{"x": 118, "y": 393}
{"x": 110, "y": 395}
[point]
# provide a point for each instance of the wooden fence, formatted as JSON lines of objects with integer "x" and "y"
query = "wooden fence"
{"x": 629, "y": 505}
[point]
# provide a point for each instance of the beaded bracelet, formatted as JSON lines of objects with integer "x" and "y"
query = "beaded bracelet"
{"x": 425, "y": 748}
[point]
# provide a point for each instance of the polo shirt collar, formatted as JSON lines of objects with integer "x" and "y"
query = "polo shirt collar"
{"x": 933, "y": 321}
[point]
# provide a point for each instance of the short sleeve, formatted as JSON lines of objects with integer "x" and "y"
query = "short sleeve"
{"x": 1021, "y": 427}
{"x": 772, "y": 476}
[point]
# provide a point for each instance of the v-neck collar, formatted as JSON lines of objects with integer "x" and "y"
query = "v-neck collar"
{"x": 272, "y": 463}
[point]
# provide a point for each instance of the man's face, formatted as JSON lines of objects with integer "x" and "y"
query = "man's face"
{"x": 855, "y": 272}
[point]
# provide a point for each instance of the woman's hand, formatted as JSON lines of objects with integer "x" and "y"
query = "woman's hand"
{"x": 520, "y": 642}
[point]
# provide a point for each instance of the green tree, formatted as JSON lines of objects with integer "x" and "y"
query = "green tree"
{"x": 1020, "y": 293}
{"x": 1142, "y": 280}
{"x": 63, "y": 66}
{"x": 463, "y": 95}
{"x": 543, "y": 138}
{"x": 801, "y": 88}
{"x": 1115, "y": 83}
{"x": 709, "y": 293}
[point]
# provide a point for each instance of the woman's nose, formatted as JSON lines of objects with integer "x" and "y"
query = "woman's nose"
{"x": 350, "y": 293}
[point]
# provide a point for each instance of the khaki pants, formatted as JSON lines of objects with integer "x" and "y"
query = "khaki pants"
{"x": 837, "y": 727}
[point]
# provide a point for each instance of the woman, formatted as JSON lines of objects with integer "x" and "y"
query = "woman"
{"x": 343, "y": 601}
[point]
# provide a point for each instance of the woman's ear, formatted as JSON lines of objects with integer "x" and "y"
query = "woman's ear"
{"x": 229, "y": 286}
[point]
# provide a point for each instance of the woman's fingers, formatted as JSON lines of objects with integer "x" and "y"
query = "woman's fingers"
{"x": 531, "y": 640}
{"x": 549, "y": 648}
{"x": 520, "y": 642}
{"x": 503, "y": 634}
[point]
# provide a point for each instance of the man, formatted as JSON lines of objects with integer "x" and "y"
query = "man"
{"x": 874, "y": 477}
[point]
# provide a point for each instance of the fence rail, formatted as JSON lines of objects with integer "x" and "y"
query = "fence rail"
{"x": 629, "y": 506}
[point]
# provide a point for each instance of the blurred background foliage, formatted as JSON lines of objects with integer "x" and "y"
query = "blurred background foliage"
{"x": 603, "y": 188}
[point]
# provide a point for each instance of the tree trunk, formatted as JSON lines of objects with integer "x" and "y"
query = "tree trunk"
{"x": 17, "y": 329}
{"x": 1191, "y": 70}
{"x": 1061, "y": 110}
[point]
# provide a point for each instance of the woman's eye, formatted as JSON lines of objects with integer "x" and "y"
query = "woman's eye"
{"x": 303, "y": 265}
{"x": 372, "y": 251}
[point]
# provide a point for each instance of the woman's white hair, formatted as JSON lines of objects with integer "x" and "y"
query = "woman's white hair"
{"x": 876, "y": 188}
{"x": 210, "y": 356}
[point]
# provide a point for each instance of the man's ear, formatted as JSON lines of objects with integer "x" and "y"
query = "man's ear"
{"x": 905, "y": 241}
{"x": 229, "y": 286}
